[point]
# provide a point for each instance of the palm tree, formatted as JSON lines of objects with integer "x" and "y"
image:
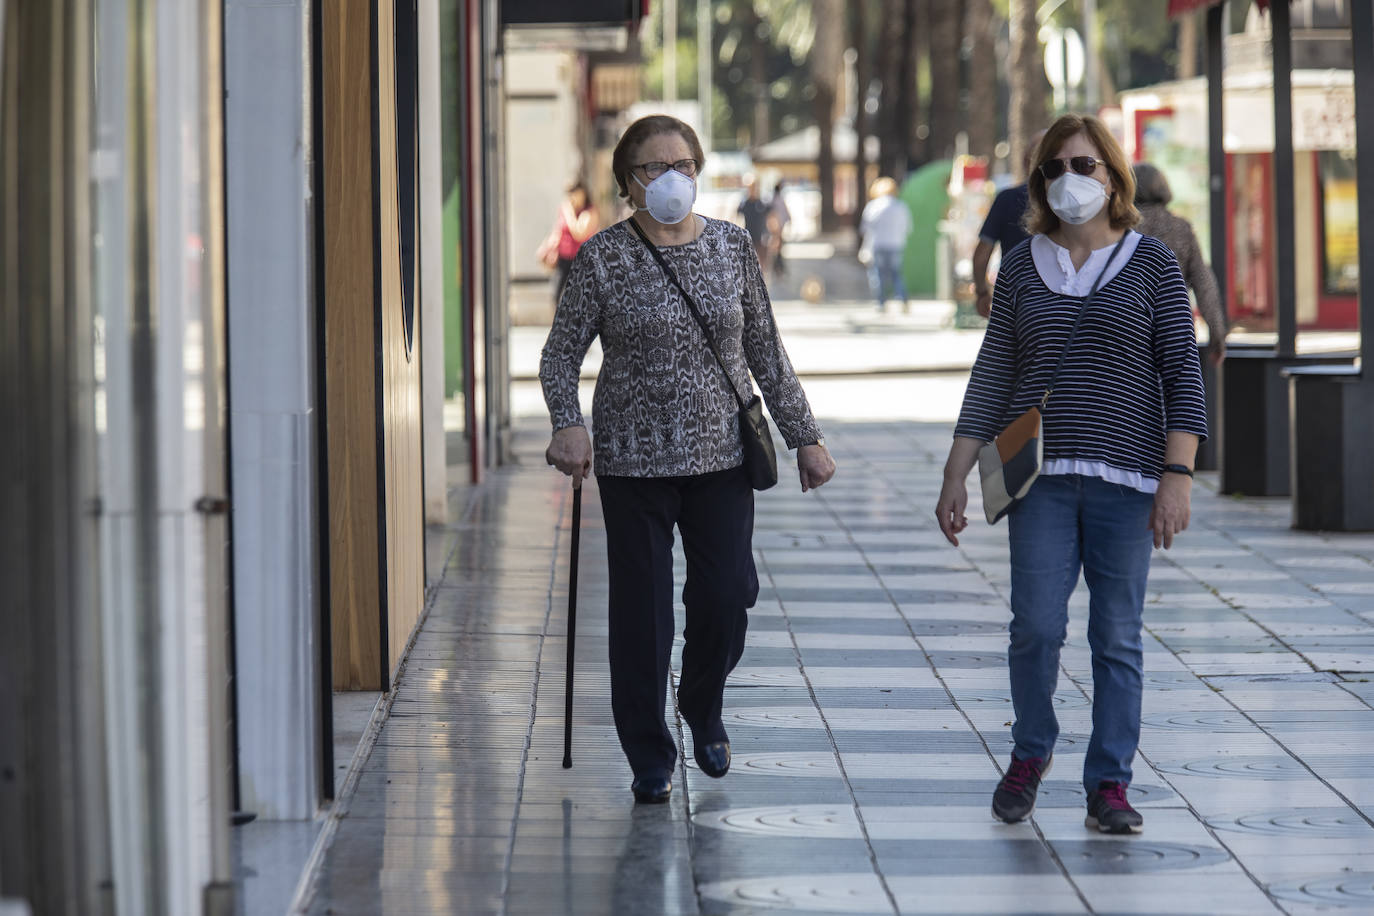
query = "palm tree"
{"x": 749, "y": 34}
{"x": 1026, "y": 110}
{"x": 863, "y": 72}
{"x": 980, "y": 32}
{"x": 825, "y": 59}
{"x": 897, "y": 73}
{"x": 943, "y": 36}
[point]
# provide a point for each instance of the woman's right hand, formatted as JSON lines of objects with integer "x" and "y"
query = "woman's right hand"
{"x": 949, "y": 511}
{"x": 570, "y": 451}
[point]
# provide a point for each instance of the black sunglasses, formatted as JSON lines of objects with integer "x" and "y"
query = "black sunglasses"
{"x": 1083, "y": 165}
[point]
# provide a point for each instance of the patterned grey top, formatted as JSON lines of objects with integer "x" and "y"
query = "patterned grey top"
{"x": 661, "y": 406}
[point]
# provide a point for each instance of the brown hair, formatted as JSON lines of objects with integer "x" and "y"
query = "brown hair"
{"x": 1151, "y": 187}
{"x": 1121, "y": 208}
{"x": 641, "y": 130}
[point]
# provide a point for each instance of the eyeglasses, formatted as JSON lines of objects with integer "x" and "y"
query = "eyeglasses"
{"x": 1083, "y": 165}
{"x": 653, "y": 170}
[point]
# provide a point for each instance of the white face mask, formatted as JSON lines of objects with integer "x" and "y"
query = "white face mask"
{"x": 1076, "y": 198}
{"x": 669, "y": 197}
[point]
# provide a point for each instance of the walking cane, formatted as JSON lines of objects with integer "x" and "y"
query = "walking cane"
{"x": 572, "y": 624}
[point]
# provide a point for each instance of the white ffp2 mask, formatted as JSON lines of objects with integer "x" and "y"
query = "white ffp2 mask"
{"x": 1076, "y": 198}
{"x": 669, "y": 197}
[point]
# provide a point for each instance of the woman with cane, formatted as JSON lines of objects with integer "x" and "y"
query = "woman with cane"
{"x": 667, "y": 450}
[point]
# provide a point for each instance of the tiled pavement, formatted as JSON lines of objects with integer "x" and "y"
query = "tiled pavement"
{"x": 869, "y": 720}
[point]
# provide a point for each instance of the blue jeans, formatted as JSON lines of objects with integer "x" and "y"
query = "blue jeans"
{"x": 886, "y": 273}
{"x": 1068, "y": 522}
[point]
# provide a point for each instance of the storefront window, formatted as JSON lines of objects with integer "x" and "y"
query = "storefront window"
{"x": 1340, "y": 223}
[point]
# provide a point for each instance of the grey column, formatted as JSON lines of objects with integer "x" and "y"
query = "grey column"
{"x": 272, "y": 407}
{"x": 54, "y": 825}
{"x": 1216, "y": 151}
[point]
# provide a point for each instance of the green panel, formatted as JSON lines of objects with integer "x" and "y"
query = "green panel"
{"x": 451, "y": 100}
{"x": 453, "y": 294}
{"x": 926, "y": 192}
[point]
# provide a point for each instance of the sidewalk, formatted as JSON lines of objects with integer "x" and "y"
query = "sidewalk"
{"x": 833, "y": 339}
{"x": 869, "y": 720}
{"x": 845, "y": 335}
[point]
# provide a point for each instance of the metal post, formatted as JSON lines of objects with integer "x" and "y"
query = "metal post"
{"x": 705, "y": 87}
{"x": 1092, "y": 78}
{"x": 1216, "y": 153}
{"x": 1284, "y": 215}
{"x": 1362, "y": 36}
{"x": 670, "y": 50}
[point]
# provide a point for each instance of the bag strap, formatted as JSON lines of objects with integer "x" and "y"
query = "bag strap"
{"x": 1068, "y": 345}
{"x": 691, "y": 306}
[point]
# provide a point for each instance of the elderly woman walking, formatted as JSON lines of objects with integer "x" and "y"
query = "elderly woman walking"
{"x": 667, "y": 440}
{"x": 1152, "y": 196}
{"x": 1122, "y": 421}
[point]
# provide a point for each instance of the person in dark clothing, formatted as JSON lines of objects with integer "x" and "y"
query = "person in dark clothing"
{"x": 778, "y": 218}
{"x": 667, "y": 445}
{"x": 1152, "y": 196}
{"x": 1003, "y": 227}
{"x": 755, "y": 212}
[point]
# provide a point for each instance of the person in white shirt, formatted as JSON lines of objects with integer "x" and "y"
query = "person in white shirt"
{"x": 885, "y": 225}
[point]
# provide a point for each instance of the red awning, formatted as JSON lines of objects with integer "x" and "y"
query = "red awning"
{"x": 1183, "y": 7}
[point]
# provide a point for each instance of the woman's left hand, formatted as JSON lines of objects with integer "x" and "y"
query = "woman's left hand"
{"x": 814, "y": 466}
{"x": 1170, "y": 513}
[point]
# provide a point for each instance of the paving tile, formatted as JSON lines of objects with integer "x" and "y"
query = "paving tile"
{"x": 870, "y": 718}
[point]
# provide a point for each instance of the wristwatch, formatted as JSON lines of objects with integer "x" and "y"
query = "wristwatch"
{"x": 1178, "y": 469}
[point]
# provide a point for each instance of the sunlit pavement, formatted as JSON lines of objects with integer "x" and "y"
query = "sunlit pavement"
{"x": 870, "y": 716}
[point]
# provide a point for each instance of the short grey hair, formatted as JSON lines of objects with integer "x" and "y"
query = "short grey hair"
{"x": 1151, "y": 187}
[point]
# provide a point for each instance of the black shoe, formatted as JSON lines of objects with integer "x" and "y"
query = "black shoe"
{"x": 1014, "y": 799}
{"x": 714, "y": 759}
{"x": 1109, "y": 811}
{"x": 652, "y": 790}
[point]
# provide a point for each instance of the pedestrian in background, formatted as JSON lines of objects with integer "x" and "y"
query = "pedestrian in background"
{"x": 1152, "y": 196}
{"x": 885, "y": 225}
{"x": 754, "y": 211}
{"x": 1120, "y": 431}
{"x": 1004, "y": 227}
{"x": 667, "y": 448}
{"x": 575, "y": 223}
{"x": 778, "y": 218}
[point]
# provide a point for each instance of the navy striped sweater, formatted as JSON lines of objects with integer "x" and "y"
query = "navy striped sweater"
{"x": 1132, "y": 375}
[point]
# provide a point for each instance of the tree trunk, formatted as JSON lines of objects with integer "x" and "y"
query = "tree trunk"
{"x": 863, "y": 75}
{"x": 1026, "y": 110}
{"x": 917, "y": 128}
{"x": 980, "y": 29}
{"x": 945, "y": 117}
{"x": 826, "y": 61}
{"x": 892, "y": 101}
{"x": 758, "y": 78}
{"x": 1187, "y": 46}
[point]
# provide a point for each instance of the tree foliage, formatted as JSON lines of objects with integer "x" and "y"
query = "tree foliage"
{"x": 760, "y": 66}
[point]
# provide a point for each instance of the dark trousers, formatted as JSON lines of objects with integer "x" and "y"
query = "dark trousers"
{"x": 715, "y": 515}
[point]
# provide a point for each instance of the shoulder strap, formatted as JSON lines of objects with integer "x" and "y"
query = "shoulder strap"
{"x": 691, "y": 305}
{"x": 1068, "y": 345}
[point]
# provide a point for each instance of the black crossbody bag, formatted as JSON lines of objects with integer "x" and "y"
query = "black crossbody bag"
{"x": 756, "y": 439}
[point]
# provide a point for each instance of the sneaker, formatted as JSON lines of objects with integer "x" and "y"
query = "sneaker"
{"x": 1109, "y": 811}
{"x": 1014, "y": 799}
